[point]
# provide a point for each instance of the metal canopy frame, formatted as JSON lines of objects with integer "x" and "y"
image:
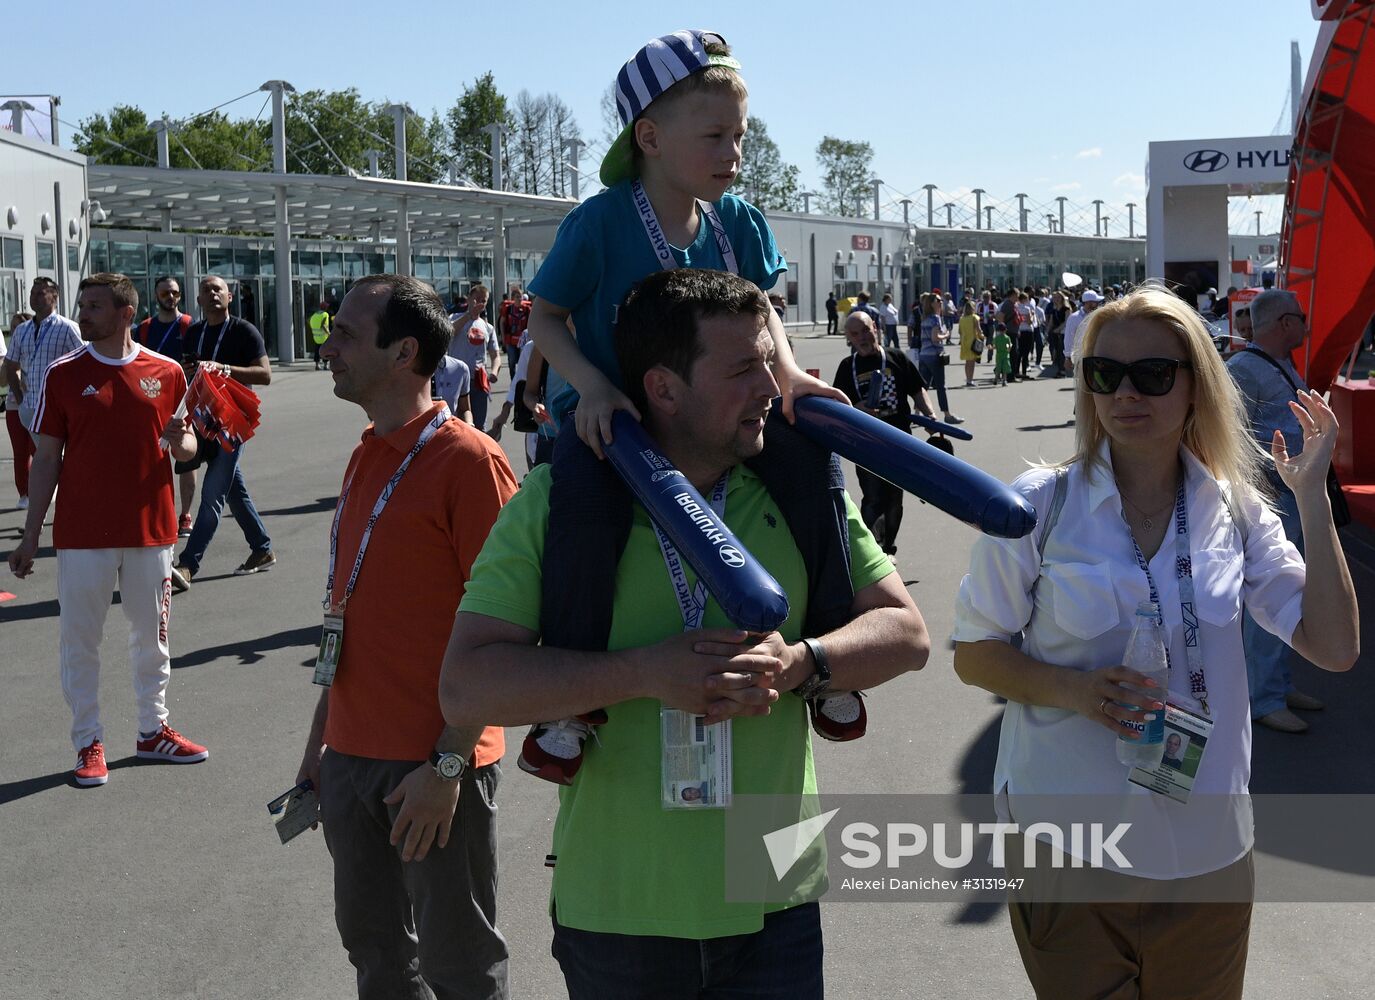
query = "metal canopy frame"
{"x": 318, "y": 206}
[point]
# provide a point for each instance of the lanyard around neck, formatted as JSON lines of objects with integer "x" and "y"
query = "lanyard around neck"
{"x": 200, "y": 341}
{"x": 1184, "y": 575}
{"x": 879, "y": 378}
{"x": 377, "y": 508}
{"x": 659, "y": 242}
{"x": 692, "y": 601}
{"x": 167, "y": 333}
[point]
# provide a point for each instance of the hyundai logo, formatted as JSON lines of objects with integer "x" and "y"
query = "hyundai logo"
{"x": 1206, "y": 161}
{"x": 731, "y": 556}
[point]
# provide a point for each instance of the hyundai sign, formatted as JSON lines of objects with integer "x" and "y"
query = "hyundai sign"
{"x": 1262, "y": 161}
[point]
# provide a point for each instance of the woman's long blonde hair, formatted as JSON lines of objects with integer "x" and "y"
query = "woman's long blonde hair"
{"x": 1217, "y": 429}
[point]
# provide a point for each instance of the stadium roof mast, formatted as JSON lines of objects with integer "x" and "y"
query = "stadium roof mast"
{"x": 281, "y": 229}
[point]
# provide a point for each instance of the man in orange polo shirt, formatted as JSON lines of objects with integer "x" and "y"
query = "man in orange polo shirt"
{"x": 407, "y": 801}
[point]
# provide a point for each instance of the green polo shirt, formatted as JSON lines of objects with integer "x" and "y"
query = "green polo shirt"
{"x": 626, "y": 865}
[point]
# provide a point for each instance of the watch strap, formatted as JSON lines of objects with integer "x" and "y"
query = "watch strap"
{"x": 820, "y": 679}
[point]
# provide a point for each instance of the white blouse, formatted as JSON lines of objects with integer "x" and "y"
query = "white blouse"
{"x": 1077, "y": 608}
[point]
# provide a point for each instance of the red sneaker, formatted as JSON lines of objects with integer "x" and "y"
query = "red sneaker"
{"x": 839, "y": 717}
{"x": 553, "y": 750}
{"x": 90, "y": 765}
{"x": 184, "y": 526}
{"x": 169, "y": 745}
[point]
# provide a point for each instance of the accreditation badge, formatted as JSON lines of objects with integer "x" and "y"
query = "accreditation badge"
{"x": 331, "y": 648}
{"x": 695, "y": 761}
{"x": 1186, "y": 741}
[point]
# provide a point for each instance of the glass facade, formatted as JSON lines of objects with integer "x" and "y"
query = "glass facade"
{"x": 322, "y": 270}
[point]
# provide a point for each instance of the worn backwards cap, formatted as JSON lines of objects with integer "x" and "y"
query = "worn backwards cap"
{"x": 659, "y": 65}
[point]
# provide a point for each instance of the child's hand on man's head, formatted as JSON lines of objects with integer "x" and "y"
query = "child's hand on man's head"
{"x": 593, "y": 415}
{"x": 793, "y": 383}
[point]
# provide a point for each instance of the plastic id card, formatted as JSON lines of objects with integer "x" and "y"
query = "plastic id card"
{"x": 1186, "y": 740}
{"x": 695, "y": 761}
{"x": 293, "y": 811}
{"x": 331, "y": 648}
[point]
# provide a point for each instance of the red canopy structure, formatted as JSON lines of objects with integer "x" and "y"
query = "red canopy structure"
{"x": 1327, "y": 251}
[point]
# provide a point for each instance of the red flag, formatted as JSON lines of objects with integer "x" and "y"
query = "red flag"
{"x": 221, "y": 409}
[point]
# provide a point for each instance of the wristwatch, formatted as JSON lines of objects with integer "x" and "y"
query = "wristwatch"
{"x": 449, "y": 766}
{"x": 820, "y": 681}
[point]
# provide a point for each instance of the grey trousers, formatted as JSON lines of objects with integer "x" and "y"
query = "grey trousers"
{"x": 422, "y": 930}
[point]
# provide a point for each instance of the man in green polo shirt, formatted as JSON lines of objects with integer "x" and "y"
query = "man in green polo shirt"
{"x": 639, "y": 895}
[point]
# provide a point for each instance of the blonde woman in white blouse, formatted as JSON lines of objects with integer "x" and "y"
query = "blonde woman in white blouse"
{"x": 1164, "y": 494}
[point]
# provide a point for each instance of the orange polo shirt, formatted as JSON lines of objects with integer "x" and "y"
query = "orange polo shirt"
{"x": 385, "y": 700}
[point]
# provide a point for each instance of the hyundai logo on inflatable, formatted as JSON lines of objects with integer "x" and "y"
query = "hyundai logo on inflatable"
{"x": 1205, "y": 161}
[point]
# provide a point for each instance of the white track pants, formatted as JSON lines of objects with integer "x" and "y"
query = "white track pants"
{"x": 86, "y": 580}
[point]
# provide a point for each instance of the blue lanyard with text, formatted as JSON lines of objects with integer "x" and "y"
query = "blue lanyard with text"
{"x": 1184, "y": 575}
{"x": 659, "y": 242}
{"x": 167, "y": 335}
{"x": 692, "y": 601}
{"x": 378, "y": 507}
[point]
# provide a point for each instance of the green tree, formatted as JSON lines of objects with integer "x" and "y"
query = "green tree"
{"x": 845, "y": 172}
{"x": 480, "y": 105}
{"x": 330, "y": 132}
{"x": 125, "y": 137}
{"x": 764, "y": 178}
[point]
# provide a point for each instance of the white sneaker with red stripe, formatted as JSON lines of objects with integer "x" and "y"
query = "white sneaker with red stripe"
{"x": 171, "y": 746}
{"x": 90, "y": 765}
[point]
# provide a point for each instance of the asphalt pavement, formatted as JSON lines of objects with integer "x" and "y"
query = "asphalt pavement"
{"x": 169, "y": 881}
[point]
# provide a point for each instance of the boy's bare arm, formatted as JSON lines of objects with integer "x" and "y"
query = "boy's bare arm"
{"x": 793, "y": 381}
{"x": 598, "y": 397}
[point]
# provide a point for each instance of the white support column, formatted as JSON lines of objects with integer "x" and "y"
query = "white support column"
{"x": 403, "y": 236}
{"x": 496, "y": 130}
{"x": 878, "y": 184}
{"x": 374, "y": 162}
{"x": 16, "y": 108}
{"x": 978, "y": 207}
{"x": 160, "y": 128}
{"x": 498, "y": 254}
{"x": 281, "y": 228}
{"x": 1062, "y": 200}
{"x": 399, "y": 113}
{"x": 930, "y": 205}
{"x": 1021, "y": 215}
{"x": 281, "y": 270}
{"x": 574, "y": 147}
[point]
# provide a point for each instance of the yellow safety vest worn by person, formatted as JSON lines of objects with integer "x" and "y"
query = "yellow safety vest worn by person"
{"x": 319, "y": 325}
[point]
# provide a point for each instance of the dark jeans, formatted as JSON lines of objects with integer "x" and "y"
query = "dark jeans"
{"x": 223, "y": 482}
{"x": 478, "y": 400}
{"x": 832, "y": 323}
{"x": 933, "y": 374}
{"x": 881, "y": 507}
{"x": 1057, "y": 351}
{"x": 781, "y": 960}
{"x": 1040, "y": 346}
{"x": 1026, "y": 340}
{"x": 890, "y": 337}
{"x": 421, "y": 929}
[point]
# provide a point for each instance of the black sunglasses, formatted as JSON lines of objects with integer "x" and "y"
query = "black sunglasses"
{"x": 1150, "y": 376}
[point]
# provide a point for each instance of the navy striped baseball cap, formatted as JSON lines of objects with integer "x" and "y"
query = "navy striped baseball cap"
{"x": 659, "y": 65}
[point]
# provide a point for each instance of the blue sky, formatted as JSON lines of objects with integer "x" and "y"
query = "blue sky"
{"x": 1048, "y": 98}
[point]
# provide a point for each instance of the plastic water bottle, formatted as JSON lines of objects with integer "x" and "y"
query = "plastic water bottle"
{"x": 1146, "y": 654}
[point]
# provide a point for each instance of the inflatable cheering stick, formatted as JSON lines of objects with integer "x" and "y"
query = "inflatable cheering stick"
{"x": 937, "y": 427}
{"x": 751, "y": 598}
{"x": 958, "y": 488}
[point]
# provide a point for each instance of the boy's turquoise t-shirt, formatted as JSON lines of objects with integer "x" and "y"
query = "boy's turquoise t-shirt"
{"x": 602, "y": 250}
{"x": 625, "y": 864}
